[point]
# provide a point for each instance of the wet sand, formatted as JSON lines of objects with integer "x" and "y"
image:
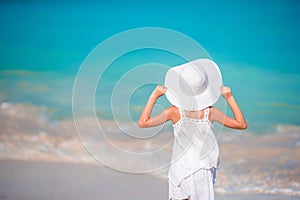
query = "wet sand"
{"x": 37, "y": 180}
{"x": 28, "y": 180}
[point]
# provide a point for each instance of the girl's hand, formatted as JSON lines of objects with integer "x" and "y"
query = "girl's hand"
{"x": 226, "y": 92}
{"x": 159, "y": 91}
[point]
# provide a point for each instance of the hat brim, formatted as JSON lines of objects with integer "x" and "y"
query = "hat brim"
{"x": 210, "y": 96}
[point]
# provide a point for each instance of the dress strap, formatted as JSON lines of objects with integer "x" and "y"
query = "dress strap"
{"x": 182, "y": 113}
{"x": 206, "y": 114}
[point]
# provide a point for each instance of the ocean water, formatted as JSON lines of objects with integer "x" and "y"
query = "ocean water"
{"x": 254, "y": 43}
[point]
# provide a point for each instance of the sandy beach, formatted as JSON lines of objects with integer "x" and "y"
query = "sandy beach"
{"x": 41, "y": 180}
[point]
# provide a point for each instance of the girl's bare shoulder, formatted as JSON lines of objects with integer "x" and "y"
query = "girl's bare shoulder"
{"x": 215, "y": 114}
{"x": 173, "y": 114}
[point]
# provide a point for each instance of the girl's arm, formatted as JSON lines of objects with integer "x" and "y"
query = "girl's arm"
{"x": 238, "y": 122}
{"x": 168, "y": 114}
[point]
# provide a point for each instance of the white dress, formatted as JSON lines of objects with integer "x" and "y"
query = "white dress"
{"x": 194, "y": 159}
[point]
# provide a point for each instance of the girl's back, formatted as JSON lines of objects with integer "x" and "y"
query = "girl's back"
{"x": 195, "y": 146}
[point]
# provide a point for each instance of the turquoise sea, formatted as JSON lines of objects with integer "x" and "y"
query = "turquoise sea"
{"x": 255, "y": 43}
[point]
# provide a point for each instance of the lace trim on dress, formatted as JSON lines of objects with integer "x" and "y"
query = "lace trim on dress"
{"x": 183, "y": 118}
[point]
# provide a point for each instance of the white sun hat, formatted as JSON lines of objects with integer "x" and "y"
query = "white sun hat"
{"x": 194, "y": 85}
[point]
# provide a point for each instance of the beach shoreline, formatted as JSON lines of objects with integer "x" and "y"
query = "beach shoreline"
{"x": 47, "y": 180}
{"x": 249, "y": 163}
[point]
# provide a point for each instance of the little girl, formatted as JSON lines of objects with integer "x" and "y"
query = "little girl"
{"x": 193, "y": 88}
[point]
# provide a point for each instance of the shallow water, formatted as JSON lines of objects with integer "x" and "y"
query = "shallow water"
{"x": 265, "y": 102}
